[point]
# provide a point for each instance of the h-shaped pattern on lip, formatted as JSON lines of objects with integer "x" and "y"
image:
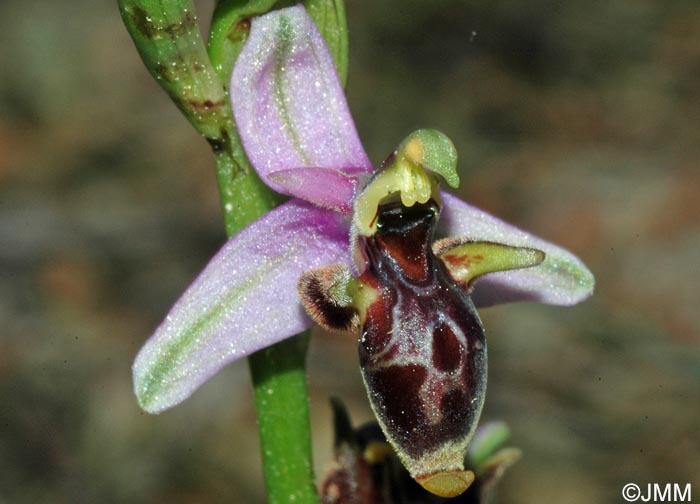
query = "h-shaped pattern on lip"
{"x": 302, "y": 142}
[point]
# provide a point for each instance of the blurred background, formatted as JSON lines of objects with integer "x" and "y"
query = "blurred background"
{"x": 579, "y": 121}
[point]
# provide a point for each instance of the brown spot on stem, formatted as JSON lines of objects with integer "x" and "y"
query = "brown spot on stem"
{"x": 239, "y": 32}
{"x": 175, "y": 30}
{"x": 243, "y": 25}
{"x": 150, "y": 29}
{"x": 219, "y": 144}
{"x": 142, "y": 22}
{"x": 162, "y": 72}
{"x": 205, "y": 105}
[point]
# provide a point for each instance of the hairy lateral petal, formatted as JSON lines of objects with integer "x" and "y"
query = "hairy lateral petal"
{"x": 244, "y": 300}
{"x": 288, "y": 102}
{"x": 561, "y": 279}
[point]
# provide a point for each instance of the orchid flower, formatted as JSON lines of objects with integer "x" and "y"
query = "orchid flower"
{"x": 354, "y": 250}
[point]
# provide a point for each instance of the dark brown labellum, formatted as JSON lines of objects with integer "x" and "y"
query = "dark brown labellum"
{"x": 422, "y": 346}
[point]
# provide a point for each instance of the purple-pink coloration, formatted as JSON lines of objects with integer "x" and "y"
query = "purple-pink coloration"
{"x": 326, "y": 187}
{"x": 288, "y": 102}
{"x": 244, "y": 298}
{"x": 292, "y": 115}
{"x": 562, "y": 279}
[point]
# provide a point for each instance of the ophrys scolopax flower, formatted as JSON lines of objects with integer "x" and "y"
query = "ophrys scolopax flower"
{"x": 362, "y": 248}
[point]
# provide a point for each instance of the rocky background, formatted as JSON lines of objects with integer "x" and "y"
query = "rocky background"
{"x": 579, "y": 121}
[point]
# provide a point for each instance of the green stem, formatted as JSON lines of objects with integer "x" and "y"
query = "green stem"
{"x": 230, "y": 26}
{"x": 168, "y": 39}
{"x": 170, "y": 43}
{"x": 278, "y": 372}
{"x": 244, "y": 197}
{"x": 281, "y": 400}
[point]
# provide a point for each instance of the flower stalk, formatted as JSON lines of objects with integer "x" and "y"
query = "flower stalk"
{"x": 281, "y": 402}
{"x": 170, "y": 43}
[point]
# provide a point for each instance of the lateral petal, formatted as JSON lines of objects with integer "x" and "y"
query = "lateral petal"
{"x": 469, "y": 260}
{"x": 325, "y": 187}
{"x": 245, "y": 299}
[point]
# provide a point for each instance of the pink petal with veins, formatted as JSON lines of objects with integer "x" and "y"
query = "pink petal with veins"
{"x": 289, "y": 106}
{"x": 245, "y": 300}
